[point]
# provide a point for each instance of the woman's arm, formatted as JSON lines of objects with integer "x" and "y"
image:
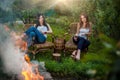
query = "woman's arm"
{"x": 49, "y": 29}
{"x": 90, "y": 32}
{"x": 34, "y": 25}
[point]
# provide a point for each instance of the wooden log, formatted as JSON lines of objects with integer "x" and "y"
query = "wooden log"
{"x": 56, "y": 57}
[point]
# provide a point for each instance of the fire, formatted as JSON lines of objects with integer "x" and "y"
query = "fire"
{"x": 26, "y": 75}
{"x": 27, "y": 70}
{"x": 27, "y": 59}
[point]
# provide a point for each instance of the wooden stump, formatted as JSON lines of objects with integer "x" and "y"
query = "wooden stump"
{"x": 56, "y": 57}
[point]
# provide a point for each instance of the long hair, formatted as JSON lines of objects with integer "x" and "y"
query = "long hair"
{"x": 87, "y": 21}
{"x": 44, "y": 22}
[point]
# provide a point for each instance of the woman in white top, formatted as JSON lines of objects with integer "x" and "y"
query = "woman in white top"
{"x": 38, "y": 31}
{"x": 80, "y": 38}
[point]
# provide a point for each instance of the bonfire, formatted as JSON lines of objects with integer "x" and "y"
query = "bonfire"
{"x": 29, "y": 70}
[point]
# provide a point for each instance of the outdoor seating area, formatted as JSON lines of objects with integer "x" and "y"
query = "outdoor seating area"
{"x": 56, "y": 44}
{"x": 59, "y": 40}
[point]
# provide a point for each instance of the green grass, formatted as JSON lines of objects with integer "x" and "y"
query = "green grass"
{"x": 88, "y": 63}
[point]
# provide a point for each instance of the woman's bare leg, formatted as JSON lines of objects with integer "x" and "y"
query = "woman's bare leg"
{"x": 78, "y": 54}
{"x": 74, "y": 54}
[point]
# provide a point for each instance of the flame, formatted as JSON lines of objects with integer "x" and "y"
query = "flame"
{"x": 27, "y": 59}
{"x": 28, "y": 73}
{"x": 27, "y": 67}
{"x": 22, "y": 45}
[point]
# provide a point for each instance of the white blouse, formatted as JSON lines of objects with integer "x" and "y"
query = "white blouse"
{"x": 42, "y": 29}
{"x": 83, "y": 32}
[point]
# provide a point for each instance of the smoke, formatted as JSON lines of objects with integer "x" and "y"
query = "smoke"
{"x": 11, "y": 10}
{"x": 6, "y": 11}
{"x": 6, "y": 4}
{"x": 12, "y": 58}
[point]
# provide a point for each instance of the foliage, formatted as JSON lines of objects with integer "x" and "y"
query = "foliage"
{"x": 106, "y": 17}
{"x": 103, "y": 13}
{"x": 58, "y": 25}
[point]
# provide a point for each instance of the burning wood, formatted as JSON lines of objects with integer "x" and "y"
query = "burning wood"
{"x": 28, "y": 72}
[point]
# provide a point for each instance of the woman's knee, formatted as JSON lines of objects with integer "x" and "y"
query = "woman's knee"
{"x": 32, "y": 33}
{"x": 41, "y": 39}
{"x": 32, "y": 27}
{"x": 81, "y": 41}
